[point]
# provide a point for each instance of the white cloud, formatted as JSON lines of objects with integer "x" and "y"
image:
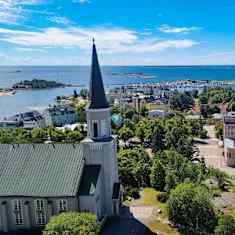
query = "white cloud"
{"x": 169, "y": 29}
{"x": 82, "y": 1}
{"x": 60, "y": 20}
{"x": 219, "y": 54}
{"x": 110, "y": 40}
{"x": 12, "y": 11}
{"x": 25, "y": 49}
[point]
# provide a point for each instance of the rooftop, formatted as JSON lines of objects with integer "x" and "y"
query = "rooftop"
{"x": 229, "y": 143}
{"x": 40, "y": 170}
{"x": 89, "y": 180}
{"x": 97, "y": 94}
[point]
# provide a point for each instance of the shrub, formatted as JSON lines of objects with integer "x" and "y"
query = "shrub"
{"x": 162, "y": 197}
{"x": 226, "y": 225}
{"x": 72, "y": 224}
{"x": 134, "y": 193}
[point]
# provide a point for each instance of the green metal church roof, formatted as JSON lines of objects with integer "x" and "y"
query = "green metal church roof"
{"x": 40, "y": 170}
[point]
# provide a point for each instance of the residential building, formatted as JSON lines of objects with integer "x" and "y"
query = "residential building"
{"x": 41, "y": 180}
{"x": 28, "y": 120}
{"x": 157, "y": 113}
{"x": 229, "y": 138}
{"x": 59, "y": 115}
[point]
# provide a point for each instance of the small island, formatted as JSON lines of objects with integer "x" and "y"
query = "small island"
{"x": 37, "y": 84}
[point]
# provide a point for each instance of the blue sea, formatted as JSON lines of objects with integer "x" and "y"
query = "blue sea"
{"x": 79, "y": 75}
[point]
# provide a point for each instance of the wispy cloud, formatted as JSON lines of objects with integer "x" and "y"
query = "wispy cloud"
{"x": 110, "y": 40}
{"x": 219, "y": 54}
{"x": 60, "y": 20}
{"x": 12, "y": 11}
{"x": 82, "y": 1}
{"x": 170, "y": 29}
{"x": 25, "y": 49}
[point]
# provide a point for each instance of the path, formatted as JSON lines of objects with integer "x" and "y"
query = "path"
{"x": 213, "y": 154}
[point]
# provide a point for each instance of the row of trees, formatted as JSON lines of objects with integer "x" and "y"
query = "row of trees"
{"x": 39, "y": 135}
{"x": 182, "y": 101}
{"x": 161, "y": 134}
{"x": 211, "y": 98}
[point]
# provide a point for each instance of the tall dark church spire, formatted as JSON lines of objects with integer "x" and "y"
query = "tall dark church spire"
{"x": 97, "y": 94}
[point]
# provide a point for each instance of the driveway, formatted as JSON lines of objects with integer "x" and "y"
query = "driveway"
{"x": 213, "y": 154}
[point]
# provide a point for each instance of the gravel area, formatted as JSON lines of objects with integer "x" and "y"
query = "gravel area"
{"x": 213, "y": 154}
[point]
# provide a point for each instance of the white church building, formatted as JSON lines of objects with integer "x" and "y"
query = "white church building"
{"x": 38, "y": 181}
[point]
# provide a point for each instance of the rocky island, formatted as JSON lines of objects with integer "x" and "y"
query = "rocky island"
{"x": 37, "y": 84}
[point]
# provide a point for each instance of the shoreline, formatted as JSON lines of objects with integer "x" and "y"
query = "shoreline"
{"x": 6, "y": 93}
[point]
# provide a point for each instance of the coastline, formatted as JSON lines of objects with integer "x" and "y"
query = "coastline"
{"x": 6, "y": 93}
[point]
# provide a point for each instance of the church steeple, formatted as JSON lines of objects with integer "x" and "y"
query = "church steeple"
{"x": 97, "y": 94}
{"x": 98, "y": 112}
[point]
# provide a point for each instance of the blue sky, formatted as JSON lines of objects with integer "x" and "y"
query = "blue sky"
{"x": 127, "y": 32}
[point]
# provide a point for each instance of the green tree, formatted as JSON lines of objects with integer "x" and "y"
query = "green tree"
{"x": 203, "y": 99}
{"x": 226, "y": 225}
{"x": 177, "y": 138}
{"x": 125, "y": 134}
{"x": 181, "y": 101}
{"x": 158, "y": 138}
{"x": 219, "y": 130}
{"x": 39, "y": 135}
{"x": 144, "y": 111}
{"x": 22, "y": 136}
{"x": 158, "y": 174}
{"x": 72, "y": 224}
{"x": 179, "y": 170}
{"x": 190, "y": 207}
{"x": 6, "y": 137}
{"x": 73, "y": 136}
{"x": 81, "y": 113}
{"x": 140, "y": 130}
{"x": 84, "y": 93}
{"x": 134, "y": 167}
{"x": 56, "y": 135}
{"x": 129, "y": 114}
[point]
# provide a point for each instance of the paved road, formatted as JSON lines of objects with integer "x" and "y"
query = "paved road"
{"x": 213, "y": 154}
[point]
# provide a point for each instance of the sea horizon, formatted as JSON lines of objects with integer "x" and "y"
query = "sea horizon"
{"x": 113, "y": 76}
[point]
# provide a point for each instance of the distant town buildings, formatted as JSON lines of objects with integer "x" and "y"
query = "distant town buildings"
{"x": 59, "y": 115}
{"x": 28, "y": 120}
{"x": 229, "y": 138}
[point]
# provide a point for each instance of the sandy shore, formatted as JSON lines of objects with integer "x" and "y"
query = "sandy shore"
{"x": 5, "y": 93}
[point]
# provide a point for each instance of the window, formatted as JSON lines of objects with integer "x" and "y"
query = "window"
{"x": 17, "y": 209}
{"x": 104, "y": 128}
{"x": 40, "y": 211}
{"x": 62, "y": 205}
{"x": 95, "y": 126}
